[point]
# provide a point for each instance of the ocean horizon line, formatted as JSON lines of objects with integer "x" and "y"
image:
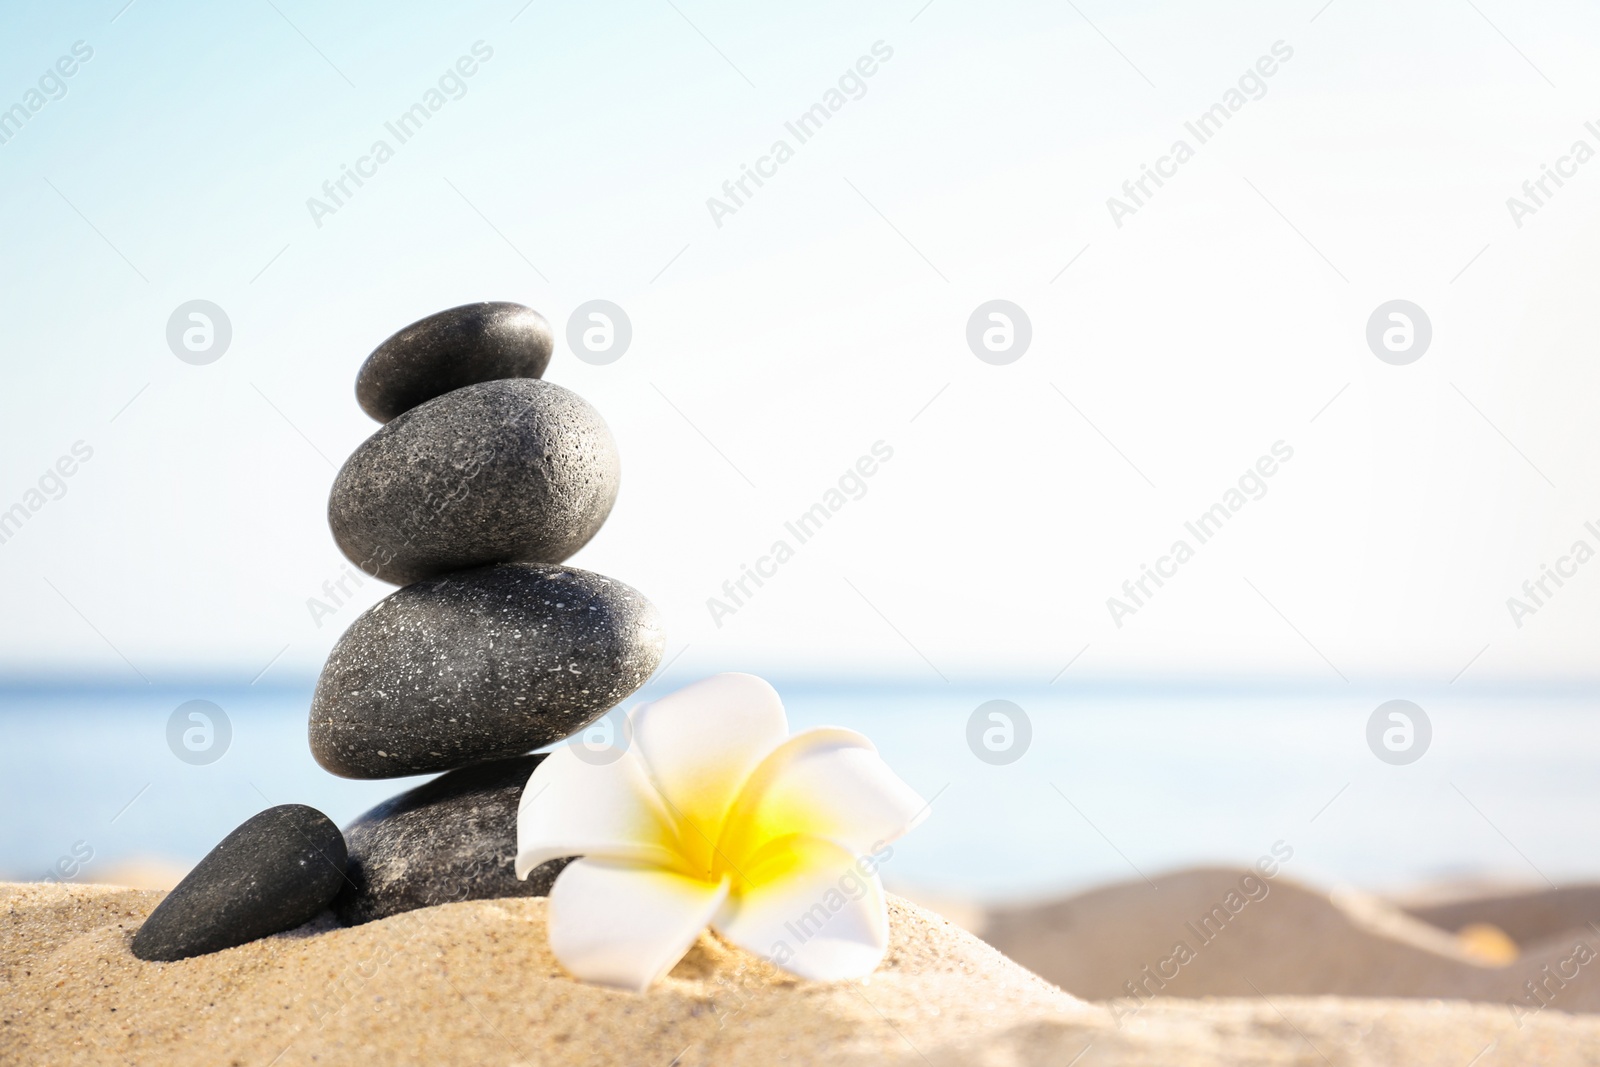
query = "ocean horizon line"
{"x": 66, "y": 682}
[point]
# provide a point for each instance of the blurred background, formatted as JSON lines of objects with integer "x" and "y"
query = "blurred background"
{"x": 1156, "y": 342}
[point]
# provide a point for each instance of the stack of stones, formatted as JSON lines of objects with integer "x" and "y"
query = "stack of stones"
{"x": 482, "y": 480}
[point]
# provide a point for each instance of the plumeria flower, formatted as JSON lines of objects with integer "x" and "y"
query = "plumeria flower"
{"x": 714, "y": 816}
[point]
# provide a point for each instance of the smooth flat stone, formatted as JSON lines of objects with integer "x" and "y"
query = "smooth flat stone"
{"x": 275, "y": 872}
{"x": 477, "y": 665}
{"x": 454, "y": 838}
{"x": 511, "y": 470}
{"x": 462, "y": 346}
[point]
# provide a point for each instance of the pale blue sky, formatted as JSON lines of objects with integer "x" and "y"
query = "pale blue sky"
{"x": 770, "y": 352}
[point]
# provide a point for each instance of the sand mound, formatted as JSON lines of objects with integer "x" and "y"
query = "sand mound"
{"x": 1123, "y": 940}
{"x": 1530, "y": 918}
{"x": 473, "y": 983}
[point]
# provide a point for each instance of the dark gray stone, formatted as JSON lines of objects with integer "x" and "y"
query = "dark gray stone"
{"x": 275, "y": 872}
{"x": 511, "y": 470}
{"x": 454, "y": 838}
{"x": 477, "y": 665}
{"x": 463, "y": 346}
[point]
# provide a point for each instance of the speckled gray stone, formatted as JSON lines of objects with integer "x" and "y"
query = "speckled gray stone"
{"x": 454, "y": 838}
{"x": 275, "y": 872}
{"x": 462, "y": 346}
{"x": 478, "y": 665}
{"x": 512, "y": 470}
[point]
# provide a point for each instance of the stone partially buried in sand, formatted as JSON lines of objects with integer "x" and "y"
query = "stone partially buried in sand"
{"x": 454, "y": 838}
{"x": 275, "y": 872}
{"x": 517, "y": 470}
{"x": 477, "y": 665}
{"x": 462, "y": 346}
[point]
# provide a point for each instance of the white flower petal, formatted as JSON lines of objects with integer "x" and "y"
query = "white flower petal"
{"x": 829, "y": 783}
{"x": 623, "y": 925}
{"x": 574, "y": 808}
{"x": 813, "y": 909}
{"x": 701, "y": 742}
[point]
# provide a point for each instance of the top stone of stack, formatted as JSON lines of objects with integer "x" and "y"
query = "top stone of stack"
{"x": 462, "y": 346}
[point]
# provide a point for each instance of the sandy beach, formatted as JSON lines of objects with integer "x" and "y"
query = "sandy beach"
{"x": 1121, "y": 941}
{"x": 474, "y": 983}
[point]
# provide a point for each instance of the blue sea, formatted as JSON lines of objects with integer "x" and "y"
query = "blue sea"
{"x": 1105, "y": 782}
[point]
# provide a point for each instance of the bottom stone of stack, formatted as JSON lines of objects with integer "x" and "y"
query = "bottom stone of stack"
{"x": 454, "y": 838}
